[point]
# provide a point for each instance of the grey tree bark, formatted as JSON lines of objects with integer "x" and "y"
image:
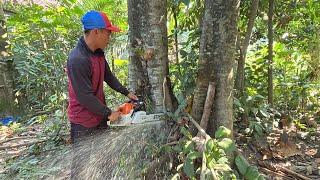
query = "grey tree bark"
{"x": 217, "y": 55}
{"x": 240, "y": 79}
{"x": 148, "y": 54}
{"x": 270, "y": 52}
{"x": 6, "y": 69}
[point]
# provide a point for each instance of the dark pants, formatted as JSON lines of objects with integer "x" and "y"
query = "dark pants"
{"x": 82, "y": 139}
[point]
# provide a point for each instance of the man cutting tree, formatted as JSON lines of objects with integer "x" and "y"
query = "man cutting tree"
{"x": 87, "y": 69}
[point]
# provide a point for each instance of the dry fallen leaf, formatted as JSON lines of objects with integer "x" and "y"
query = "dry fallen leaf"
{"x": 6, "y": 132}
{"x": 311, "y": 152}
{"x": 288, "y": 150}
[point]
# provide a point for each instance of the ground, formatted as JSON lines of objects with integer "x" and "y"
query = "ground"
{"x": 287, "y": 153}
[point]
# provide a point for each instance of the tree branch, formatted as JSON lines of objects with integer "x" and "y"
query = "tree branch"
{"x": 208, "y": 106}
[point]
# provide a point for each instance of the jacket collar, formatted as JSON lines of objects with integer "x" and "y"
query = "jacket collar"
{"x": 82, "y": 44}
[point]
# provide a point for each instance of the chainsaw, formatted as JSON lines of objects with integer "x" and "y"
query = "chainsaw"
{"x": 133, "y": 112}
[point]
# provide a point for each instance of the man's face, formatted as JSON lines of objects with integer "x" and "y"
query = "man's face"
{"x": 102, "y": 38}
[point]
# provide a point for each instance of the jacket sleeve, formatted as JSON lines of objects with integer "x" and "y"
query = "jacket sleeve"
{"x": 80, "y": 76}
{"x": 113, "y": 82}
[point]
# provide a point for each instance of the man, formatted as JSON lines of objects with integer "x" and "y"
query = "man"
{"x": 87, "y": 70}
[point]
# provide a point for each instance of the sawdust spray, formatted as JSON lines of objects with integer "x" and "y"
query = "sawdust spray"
{"x": 113, "y": 154}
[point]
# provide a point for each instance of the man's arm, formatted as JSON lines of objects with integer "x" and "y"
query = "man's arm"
{"x": 113, "y": 82}
{"x": 80, "y": 77}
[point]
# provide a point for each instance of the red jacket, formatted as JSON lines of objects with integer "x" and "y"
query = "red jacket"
{"x": 87, "y": 71}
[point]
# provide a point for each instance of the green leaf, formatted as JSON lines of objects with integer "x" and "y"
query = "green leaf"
{"x": 254, "y": 111}
{"x": 176, "y": 2}
{"x": 264, "y": 113}
{"x": 188, "y": 168}
{"x": 194, "y": 155}
{"x": 189, "y": 146}
{"x": 177, "y": 148}
{"x": 227, "y": 144}
{"x": 258, "y": 128}
{"x": 209, "y": 145}
{"x": 242, "y": 164}
{"x": 183, "y": 53}
{"x": 222, "y": 167}
{"x": 186, "y": 2}
{"x": 252, "y": 173}
{"x": 222, "y": 132}
{"x": 185, "y": 132}
{"x": 223, "y": 160}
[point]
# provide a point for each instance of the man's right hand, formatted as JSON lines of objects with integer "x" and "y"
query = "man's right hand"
{"x": 114, "y": 116}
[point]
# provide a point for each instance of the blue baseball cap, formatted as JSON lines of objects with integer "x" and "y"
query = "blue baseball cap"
{"x": 97, "y": 20}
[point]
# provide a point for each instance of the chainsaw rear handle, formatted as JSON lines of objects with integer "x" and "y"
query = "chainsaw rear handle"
{"x": 134, "y": 105}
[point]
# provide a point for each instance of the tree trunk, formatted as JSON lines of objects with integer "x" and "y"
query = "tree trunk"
{"x": 6, "y": 70}
{"x": 176, "y": 43}
{"x": 270, "y": 53}
{"x": 240, "y": 79}
{"x": 149, "y": 64}
{"x": 217, "y": 53}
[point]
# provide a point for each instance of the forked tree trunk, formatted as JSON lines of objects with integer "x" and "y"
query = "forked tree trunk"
{"x": 217, "y": 55}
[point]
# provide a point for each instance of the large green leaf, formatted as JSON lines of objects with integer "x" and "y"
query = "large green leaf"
{"x": 222, "y": 132}
{"x": 242, "y": 164}
{"x": 194, "y": 155}
{"x": 188, "y": 168}
{"x": 227, "y": 144}
{"x": 252, "y": 173}
{"x": 210, "y": 145}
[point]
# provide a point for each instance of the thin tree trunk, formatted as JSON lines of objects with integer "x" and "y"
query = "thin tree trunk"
{"x": 240, "y": 79}
{"x": 205, "y": 64}
{"x": 6, "y": 69}
{"x": 270, "y": 53}
{"x": 174, "y": 9}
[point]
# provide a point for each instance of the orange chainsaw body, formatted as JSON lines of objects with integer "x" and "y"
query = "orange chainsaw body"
{"x": 126, "y": 108}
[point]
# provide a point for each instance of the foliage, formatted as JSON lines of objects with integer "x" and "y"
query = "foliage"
{"x": 188, "y": 15}
{"x": 247, "y": 171}
{"x": 113, "y": 98}
{"x": 40, "y": 39}
{"x": 214, "y": 152}
{"x": 209, "y": 158}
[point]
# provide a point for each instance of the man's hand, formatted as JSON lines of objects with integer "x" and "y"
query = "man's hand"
{"x": 132, "y": 96}
{"x": 114, "y": 116}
